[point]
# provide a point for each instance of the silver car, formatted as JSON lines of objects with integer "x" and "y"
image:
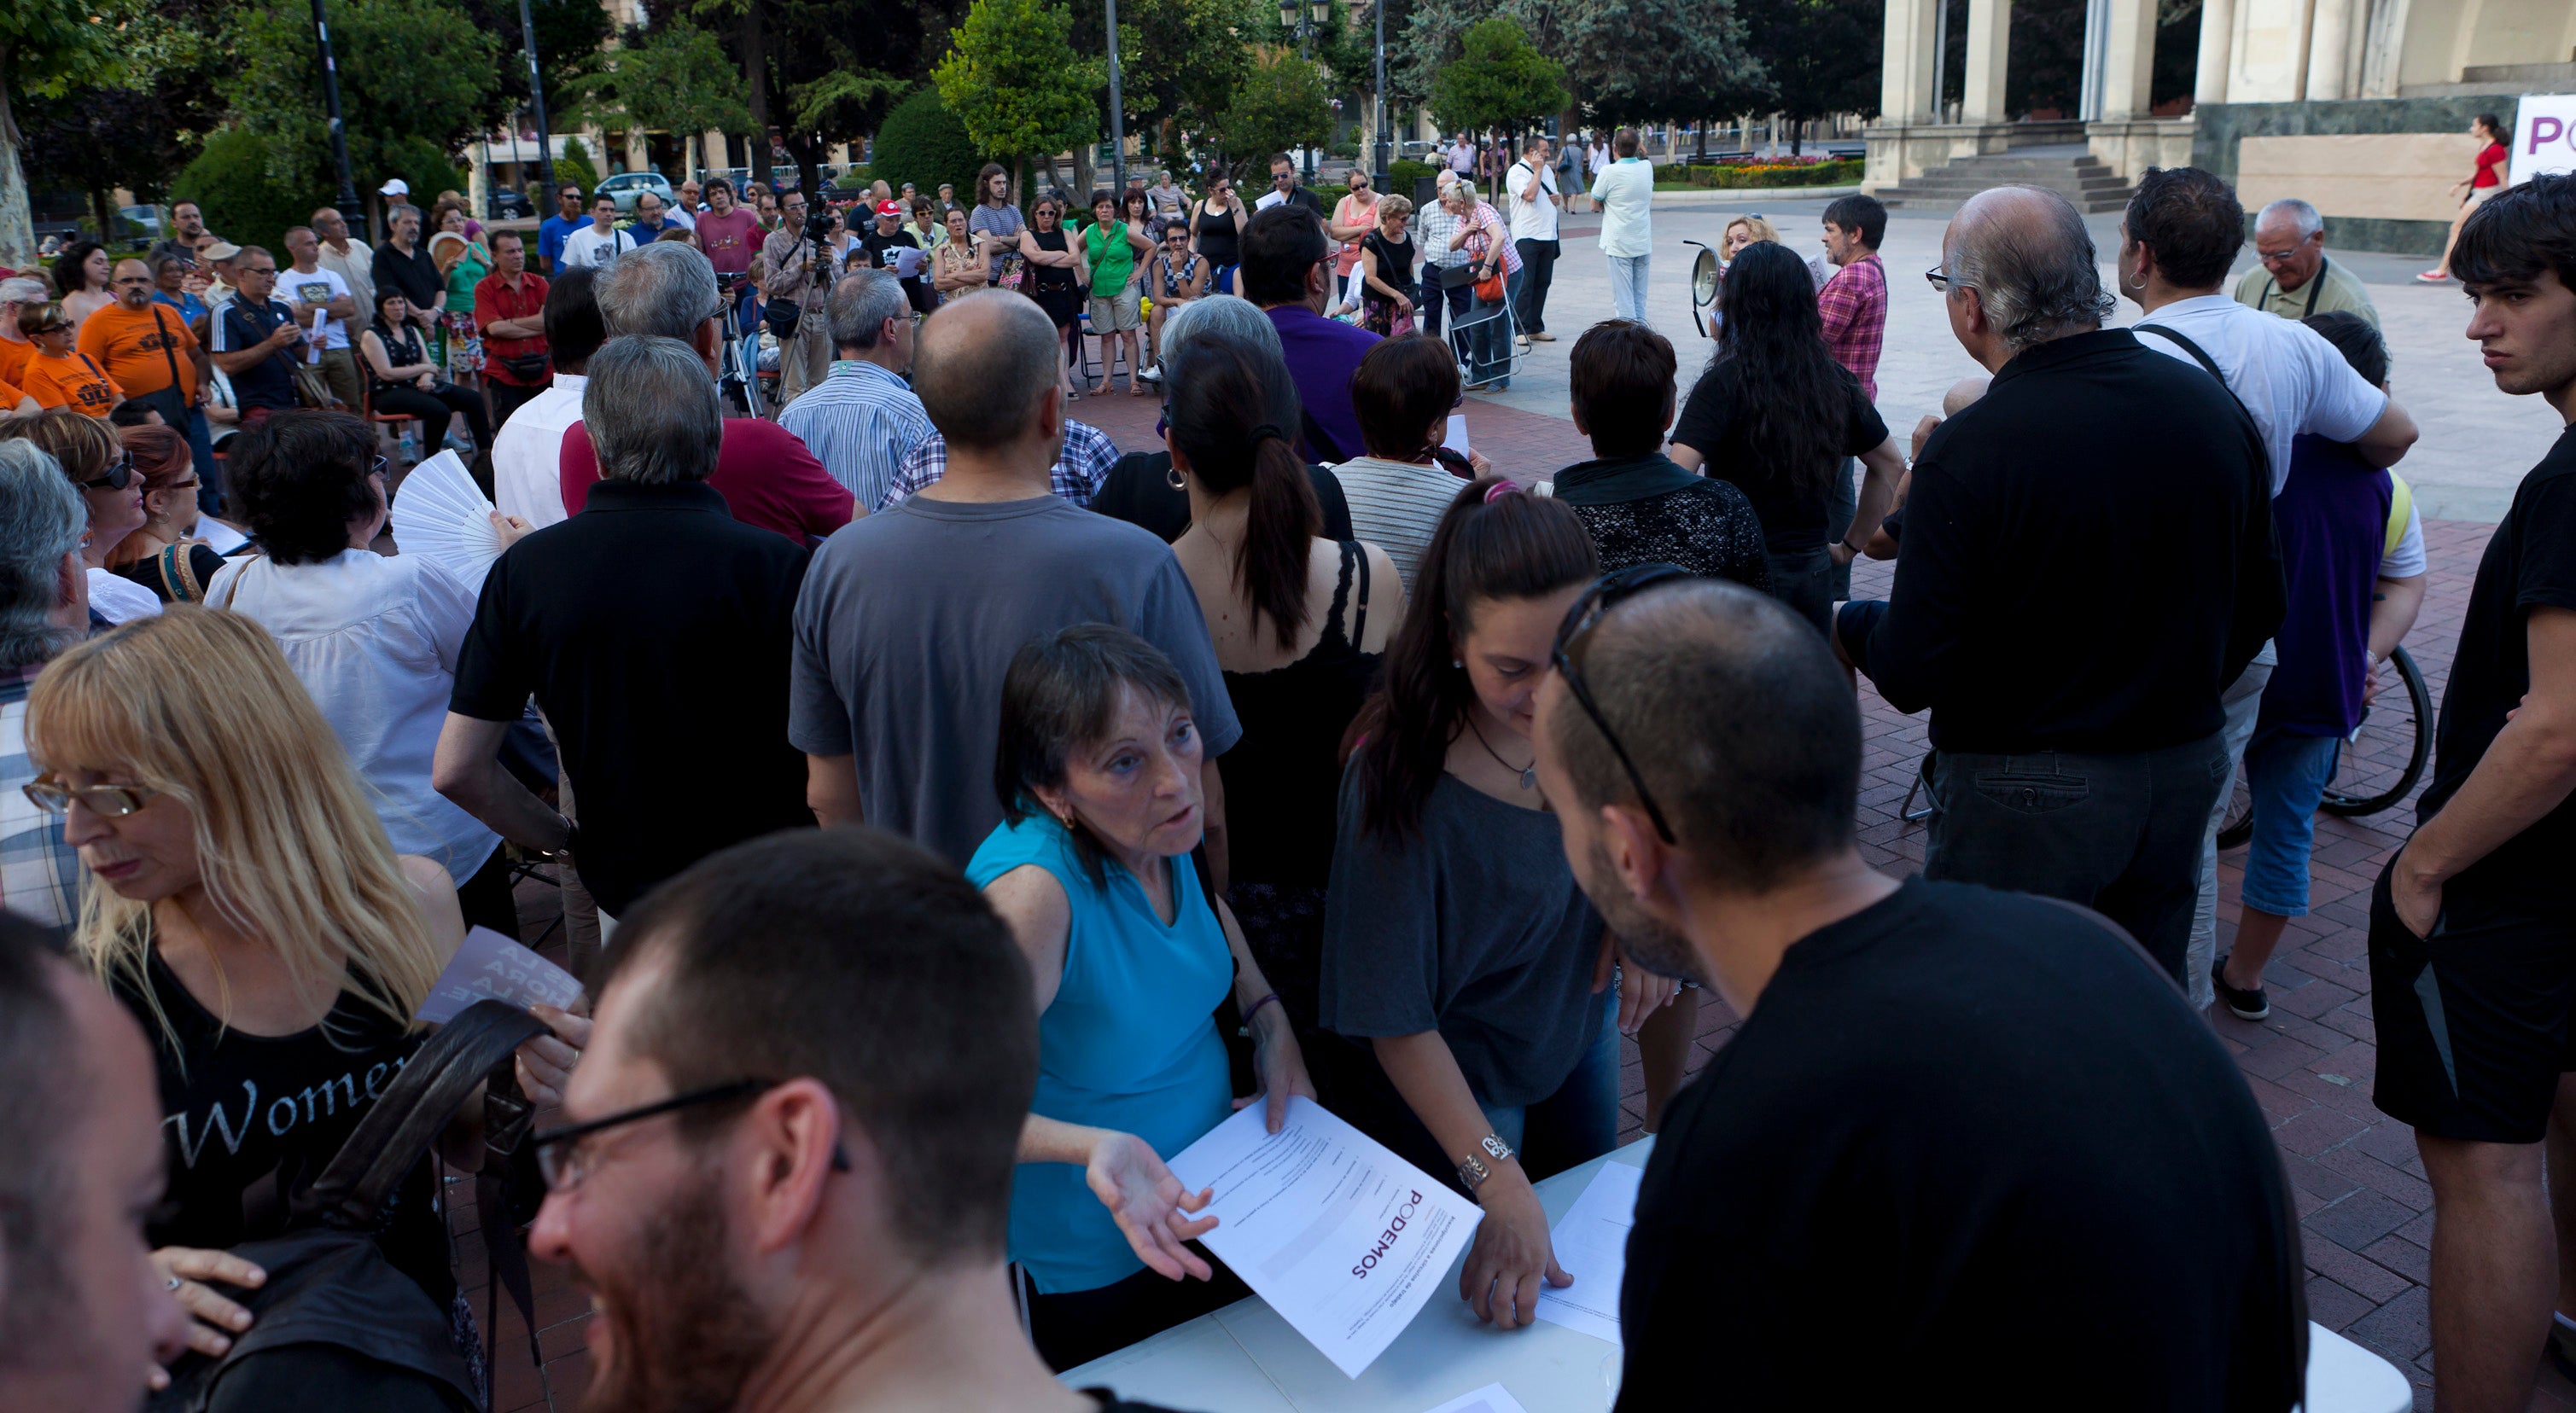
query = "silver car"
{"x": 626, "y": 186}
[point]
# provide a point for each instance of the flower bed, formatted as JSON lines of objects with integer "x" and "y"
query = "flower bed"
{"x": 1758, "y": 175}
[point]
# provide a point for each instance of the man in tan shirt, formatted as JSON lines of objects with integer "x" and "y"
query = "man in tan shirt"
{"x": 789, "y": 266}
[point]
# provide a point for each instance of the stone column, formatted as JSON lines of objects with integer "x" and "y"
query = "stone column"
{"x": 2128, "y": 73}
{"x": 1989, "y": 44}
{"x": 2329, "y": 43}
{"x": 2217, "y": 44}
{"x": 1905, "y": 81}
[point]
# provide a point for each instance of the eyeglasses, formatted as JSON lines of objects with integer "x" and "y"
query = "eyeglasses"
{"x": 1944, "y": 281}
{"x": 106, "y": 801}
{"x": 118, "y": 475}
{"x": 559, "y": 1156}
{"x": 1607, "y": 593}
{"x": 2269, "y": 255}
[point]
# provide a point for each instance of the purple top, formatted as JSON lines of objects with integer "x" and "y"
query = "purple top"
{"x": 2332, "y": 517}
{"x": 1322, "y": 355}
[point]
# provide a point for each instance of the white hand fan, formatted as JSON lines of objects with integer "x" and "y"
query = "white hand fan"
{"x": 440, "y": 515}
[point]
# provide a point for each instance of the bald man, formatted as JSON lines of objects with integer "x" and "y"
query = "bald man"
{"x": 2296, "y": 279}
{"x": 2078, "y": 734}
{"x": 909, "y": 617}
{"x": 86, "y": 1310}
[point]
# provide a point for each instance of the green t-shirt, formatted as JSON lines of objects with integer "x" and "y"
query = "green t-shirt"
{"x": 1113, "y": 260}
{"x": 2334, "y": 288}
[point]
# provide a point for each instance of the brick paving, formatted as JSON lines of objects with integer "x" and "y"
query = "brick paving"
{"x": 2364, "y": 1209}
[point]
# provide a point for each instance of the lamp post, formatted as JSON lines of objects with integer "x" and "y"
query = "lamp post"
{"x": 537, "y": 97}
{"x": 347, "y": 202}
{"x": 1385, "y": 134}
{"x": 1117, "y": 115}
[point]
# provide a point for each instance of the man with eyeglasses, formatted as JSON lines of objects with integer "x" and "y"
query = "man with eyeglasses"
{"x": 2296, "y": 279}
{"x": 147, "y": 348}
{"x": 256, "y": 340}
{"x": 2077, "y": 736}
{"x": 1979, "y": 1096}
{"x": 794, "y": 268}
{"x": 788, "y": 1149}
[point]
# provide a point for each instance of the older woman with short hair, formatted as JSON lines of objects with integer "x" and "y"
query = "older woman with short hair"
{"x": 90, "y": 455}
{"x": 374, "y": 638}
{"x": 1099, "y": 778}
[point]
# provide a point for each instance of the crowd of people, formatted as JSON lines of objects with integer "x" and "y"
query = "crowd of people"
{"x": 956, "y": 817}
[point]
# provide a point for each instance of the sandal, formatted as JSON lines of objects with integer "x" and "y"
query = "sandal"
{"x": 1137, "y": 389}
{"x": 1101, "y": 388}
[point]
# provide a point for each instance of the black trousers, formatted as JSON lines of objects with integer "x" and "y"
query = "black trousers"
{"x": 510, "y": 397}
{"x": 486, "y": 899}
{"x": 1538, "y": 270}
{"x": 1426, "y": 304}
{"x": 432, "y": 409}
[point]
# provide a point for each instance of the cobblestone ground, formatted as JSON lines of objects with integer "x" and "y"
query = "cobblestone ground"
{"x": 2365, "y": 1211}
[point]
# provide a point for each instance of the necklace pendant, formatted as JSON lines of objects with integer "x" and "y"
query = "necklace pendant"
{"x": 1529, "y": 777}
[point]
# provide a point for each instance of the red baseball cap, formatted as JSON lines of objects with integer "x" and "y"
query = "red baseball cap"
{"x": 889, "y": 208}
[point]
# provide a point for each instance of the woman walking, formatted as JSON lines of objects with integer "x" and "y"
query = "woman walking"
{"x": 2485, "y": 179}
{"x": 1775, "y": 414}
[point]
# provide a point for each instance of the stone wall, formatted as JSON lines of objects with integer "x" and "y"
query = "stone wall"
{"x": 2378, "y": 168}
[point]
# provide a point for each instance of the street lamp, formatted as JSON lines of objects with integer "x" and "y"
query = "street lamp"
{"x": 536, "y": 95}
{"x": 350, "y": 210}
{"x": 1384, "y": 133}
{"x": 1117, "y": 117}
{"x": 1306, "y": 13}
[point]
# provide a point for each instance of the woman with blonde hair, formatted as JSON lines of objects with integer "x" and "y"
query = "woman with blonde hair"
{"x": 248, "y": 909}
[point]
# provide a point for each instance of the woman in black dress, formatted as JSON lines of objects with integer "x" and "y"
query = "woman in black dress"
{"x": 245, "y": 905}
{"x": 1216, "y": 230}
{"x": 1776, "y": 415}
{"x": 1057, "y": 277}
{"x": 1299, "y": 623}
{"x": 1386, "y": 271}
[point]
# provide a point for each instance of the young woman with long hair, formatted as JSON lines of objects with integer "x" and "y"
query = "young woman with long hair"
{"x": 1457, "y": 945}
{"x": 158, "y": 553}
{"x": 1057, "y": 276}
{"x": 81, "y": 274}
{"x": 1776, "y": 415}
{"x": 1299, "y": 624}
{"x": 246, "y": 906}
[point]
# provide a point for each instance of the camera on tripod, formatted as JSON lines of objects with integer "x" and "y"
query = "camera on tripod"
{"x": 819, "y": 223}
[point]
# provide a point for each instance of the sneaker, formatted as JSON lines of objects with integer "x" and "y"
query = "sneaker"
{"x": 2246, "y": 1003}
{"x": 2434, "y": 277}
{"x": 1543, "y": 337}
{"x": 1152, "y": 374}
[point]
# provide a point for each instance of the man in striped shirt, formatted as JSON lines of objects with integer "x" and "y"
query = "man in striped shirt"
{"x": 1086, "y": 459}
{"x": 862, "y": 420}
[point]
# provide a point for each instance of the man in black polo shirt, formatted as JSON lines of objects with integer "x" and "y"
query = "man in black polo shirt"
{"x": 654, "y": 631}
{"x": 2076, "y": 734}
{"x": 255, "y": 339}
{"x": 2473, "y": 926}
{"x": 1285, "y": 189}
{"x": 402, "y": 264}
{"x": 1973, "y": 1135}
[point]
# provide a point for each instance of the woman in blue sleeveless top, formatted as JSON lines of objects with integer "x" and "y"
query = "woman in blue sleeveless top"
{"x": 1099, "y": 774}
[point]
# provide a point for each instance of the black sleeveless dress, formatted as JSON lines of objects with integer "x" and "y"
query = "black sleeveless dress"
{"x": 1054, "y": 286}
{"x": 1281, "y": 782}
{"x": 1218, "y": 240}
{"x": 249, "y": 1118}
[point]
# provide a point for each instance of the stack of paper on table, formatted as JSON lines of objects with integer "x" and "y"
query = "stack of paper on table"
{"x": 1592, "y": 1245}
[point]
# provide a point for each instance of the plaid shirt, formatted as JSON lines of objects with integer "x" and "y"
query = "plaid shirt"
{"x": 1079, "y": 469}
{"x": 40, "y": 875}
{"x": 1854, "y": 306}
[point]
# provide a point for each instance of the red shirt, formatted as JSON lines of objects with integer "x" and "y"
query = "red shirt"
{"x": 2488, "y": 160}
{"x": 1853, "y": 305}
{"x": 730, "y": 240}
{"x": 494, "y": 299}
{"x": 764, "y": 473}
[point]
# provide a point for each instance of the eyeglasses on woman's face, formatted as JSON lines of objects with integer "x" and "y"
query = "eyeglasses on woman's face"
{"x": 106, "y": 801}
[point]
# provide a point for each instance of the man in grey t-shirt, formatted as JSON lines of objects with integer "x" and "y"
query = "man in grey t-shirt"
{"x": 910, "y": 617}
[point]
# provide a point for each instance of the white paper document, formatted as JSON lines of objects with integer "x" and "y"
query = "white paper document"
{"x": 1342, "y": 1237}
{"x": 489, "y": 966}
{"x": 1592, "y": 1245}
{"x": 1492, "y": 1398}
{"x": 1456, "y": 440}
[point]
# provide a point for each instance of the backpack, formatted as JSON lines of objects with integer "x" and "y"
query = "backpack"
{"x": 328, "y": 1281}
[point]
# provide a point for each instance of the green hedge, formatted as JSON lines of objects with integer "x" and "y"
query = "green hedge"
{"x": 1763, "y": 175}
{"x": 921, "y": 142}
{"x": 229, "y": 182}
{"x": 1403, "y": 172}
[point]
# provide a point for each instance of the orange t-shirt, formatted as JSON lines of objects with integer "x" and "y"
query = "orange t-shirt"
{"x": 129, "y": 346}
{"x": 11, "y": 395}
{"x": 14, "y": 354}
{"x": 70, "y": 380}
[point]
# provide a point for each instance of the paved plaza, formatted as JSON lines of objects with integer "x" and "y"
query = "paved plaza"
{"x": 2364, "y": 1207}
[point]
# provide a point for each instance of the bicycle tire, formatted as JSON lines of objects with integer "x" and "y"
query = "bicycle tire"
{"x": 2354, "y": 806}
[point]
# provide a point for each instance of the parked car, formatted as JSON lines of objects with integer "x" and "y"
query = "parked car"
{"x": 510, "y": 205}
{"x": 138, "y": 223}
{"x": 626, "y": 186}
{"x": 1418, "y": 150}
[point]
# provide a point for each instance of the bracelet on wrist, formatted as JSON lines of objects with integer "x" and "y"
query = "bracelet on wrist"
{"x": 1255, "y": 1008}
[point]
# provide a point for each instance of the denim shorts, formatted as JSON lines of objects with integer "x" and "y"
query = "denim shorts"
{"x": 2286, "y": 776}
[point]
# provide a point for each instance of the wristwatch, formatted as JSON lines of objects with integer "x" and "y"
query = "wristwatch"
{"x": 1473, "y": 1171}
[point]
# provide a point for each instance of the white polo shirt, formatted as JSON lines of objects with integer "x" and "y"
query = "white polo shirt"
{"x": 2290, "y": 379}
{"x": 527, "y": 453}
{"x": 1531, "y": 220}
{"x": 1625, "y": 191}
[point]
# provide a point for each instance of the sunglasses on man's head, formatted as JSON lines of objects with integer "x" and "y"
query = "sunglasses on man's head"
{"x": 1607, "y": 593}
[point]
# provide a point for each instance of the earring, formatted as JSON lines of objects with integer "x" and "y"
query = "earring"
{"x": 1173, "y": 475}
{"x": 1460, "y": 664}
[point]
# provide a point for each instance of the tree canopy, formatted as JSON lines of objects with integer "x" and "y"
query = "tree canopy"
{"x": 410, "y": 71}
{"x": 1499, "y": 80}
{"x": 1010, "y": 78}
{"x": 1282, "y": 105}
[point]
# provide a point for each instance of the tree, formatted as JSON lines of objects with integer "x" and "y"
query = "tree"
{"x": 924, "y": 144}
{"x": 1282, "y": 105}
{"x": 1820, "y": 56}
{"x": 1702, "y": 62}
{"x": 409, "y": 69}
{"x": 1180, "y": 61}
{"x": 573, "y": 166}
{"x": 1010, "y": 79}
{"x": 675, "y": 79}
{"x": 230, "y": 183}
{"x": 48, "y": 48}
{"x": 1498, "y": 81}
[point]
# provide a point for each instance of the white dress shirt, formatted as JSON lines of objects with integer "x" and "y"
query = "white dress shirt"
{"x": 1625, "y": 192}
{"x": 375, "y": 639}
{"x": 527, "y": 476}
{"x": 2289, "y": 378}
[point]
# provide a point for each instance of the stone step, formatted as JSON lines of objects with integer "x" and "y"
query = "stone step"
{"x": 2079, "y": 176}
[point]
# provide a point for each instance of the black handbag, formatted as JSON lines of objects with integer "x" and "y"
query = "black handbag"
{"x": 784, "y": 314}
{"x": 1458, "y": 276}
{"x": 166, "y": 399}
{"x": 328, "y": 1281}
{"x": 526, "y": 367}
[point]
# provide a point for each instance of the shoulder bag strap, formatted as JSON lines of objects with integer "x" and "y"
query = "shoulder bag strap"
{"x": 2324, "y": 264}
{"x": 166, "y": 355}
{"x": 1359, "y": 625}
{"x": 2200, "y": 356}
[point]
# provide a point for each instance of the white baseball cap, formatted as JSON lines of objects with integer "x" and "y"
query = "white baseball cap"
{"x": 396, "y": 187}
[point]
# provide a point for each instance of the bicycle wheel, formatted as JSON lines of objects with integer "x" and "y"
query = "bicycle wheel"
{"x": 2237, "y": 825}
{"x": 2384, "y": 757}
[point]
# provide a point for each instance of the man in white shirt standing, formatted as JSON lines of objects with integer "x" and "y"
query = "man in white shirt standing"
{"x": 1462, "y": 156}
{"x": 2181, "y": 232}
{"x": 352, "y": 259}
{"x": 1530, "y": 188}
{"x": 686, "y": 213}
{"x": 308, "y": 290}
{"x": 1625, "y": 192}
{"x": 527, "y": 453}
{"x": 600, "y": 242}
